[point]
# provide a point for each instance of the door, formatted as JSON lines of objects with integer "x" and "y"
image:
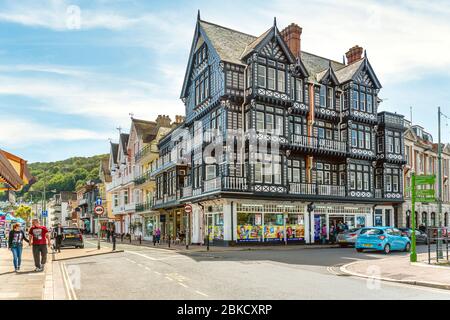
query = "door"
{"x": 319, "y": 221}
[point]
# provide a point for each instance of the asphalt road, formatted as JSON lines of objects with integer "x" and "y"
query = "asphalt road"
{"x": 149, "y": 273}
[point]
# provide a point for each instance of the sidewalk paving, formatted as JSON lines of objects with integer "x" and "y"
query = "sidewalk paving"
{"x": 26, "y": 285}
{"x": 203, "y": 248}
{"x": 400, "y": 269}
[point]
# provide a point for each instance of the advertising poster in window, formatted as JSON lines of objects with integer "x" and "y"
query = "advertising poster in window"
{"x": 249, "y": 233}
{"x": 295, "y": 232}
{"x": 274, "y": 233}
{"x": 215, "y": 232}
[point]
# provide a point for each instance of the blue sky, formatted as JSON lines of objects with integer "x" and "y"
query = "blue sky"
{"x": 66, "y": 84}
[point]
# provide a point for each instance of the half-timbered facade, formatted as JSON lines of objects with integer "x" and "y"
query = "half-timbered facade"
{"x": 288, "y": 129}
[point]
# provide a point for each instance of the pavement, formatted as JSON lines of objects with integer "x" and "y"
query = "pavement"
{"x": 399, "y": 269}
{"x": 52, "y": 284}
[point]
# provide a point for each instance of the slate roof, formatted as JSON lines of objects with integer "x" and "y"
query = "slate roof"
{"x": 124, "y": 140}
{"x": 115, "y": 151}
{"x": 143, "y": 126}
{"x": 229, "y": 43}
{"x": 346, "y": 74}
{"x": 251, "y": 46}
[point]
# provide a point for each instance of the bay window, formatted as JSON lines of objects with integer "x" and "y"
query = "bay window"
{"x": 359, "y": 177}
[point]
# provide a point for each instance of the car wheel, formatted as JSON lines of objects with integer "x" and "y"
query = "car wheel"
{"x": 387, "y": 249}
{"x": 408, "y": 247}
{"x": 359, "y": 250}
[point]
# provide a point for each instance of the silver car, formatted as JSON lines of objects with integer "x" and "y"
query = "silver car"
{"x": 348, "y": 237}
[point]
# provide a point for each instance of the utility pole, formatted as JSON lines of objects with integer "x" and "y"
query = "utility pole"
{"x": 413, "y": 256}
{"x": 439, "y": 242}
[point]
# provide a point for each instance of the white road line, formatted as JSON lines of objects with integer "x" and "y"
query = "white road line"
{"x": 129, "y": 260}
{"x": 158, "y": 273}
{"x": 142, "y": 255}
{"x": 183, "y": 285}
{"x": 168, "y": 278}
{"x": 201, "y": 293}
{"x": 147, "y": 268}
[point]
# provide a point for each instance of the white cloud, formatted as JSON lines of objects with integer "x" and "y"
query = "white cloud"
{"x": 16, "y": 132}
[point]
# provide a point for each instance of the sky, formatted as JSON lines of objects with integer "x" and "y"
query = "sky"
{"x": 72, "y": 72}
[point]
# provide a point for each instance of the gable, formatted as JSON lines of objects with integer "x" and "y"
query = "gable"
{"x": 366, "y": 76}
{"x": 274, "y": 51}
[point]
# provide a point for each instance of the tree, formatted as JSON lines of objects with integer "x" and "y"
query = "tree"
{"x": 24, "y": 212}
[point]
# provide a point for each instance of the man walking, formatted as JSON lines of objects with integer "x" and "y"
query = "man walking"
{"x": 39, "y": 239}
{"x": 59, "y": 235}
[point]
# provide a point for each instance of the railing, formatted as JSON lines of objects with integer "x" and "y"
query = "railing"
{"x": 145, "y": 151}
{"x": 143, "y": 178}
{"x": 316, "y": 142}
{"x": 213, "y": 184}
{"x": 317, "y": 189}
{"x": 145, "y": 206}
{"x": 187, "y": 191}
{"x": 235, "y": 183}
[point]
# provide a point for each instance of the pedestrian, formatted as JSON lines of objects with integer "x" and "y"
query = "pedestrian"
{"x": 323, "y": 234}
{"x": 154, "y": 237}
{"x": 15, "y": 243}
{"x": 332, "y": 234}
{"x": 40, "y": 240}
{"x": 58, "y": 235}
{"x": 113, "y": 237}
{"x": 158, "y": 236}
{"x": 121, "y": 236}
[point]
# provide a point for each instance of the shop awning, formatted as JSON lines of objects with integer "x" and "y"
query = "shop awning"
{"x": 14, "y": 171}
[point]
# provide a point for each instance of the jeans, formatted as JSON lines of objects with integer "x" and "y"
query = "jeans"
{"x": 58, "y": 243}
{"x": 39, "y": 254}
{"x": 17, "y": 256}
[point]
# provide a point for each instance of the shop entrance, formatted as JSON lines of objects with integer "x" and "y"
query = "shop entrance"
{"x": 319, "y": 221}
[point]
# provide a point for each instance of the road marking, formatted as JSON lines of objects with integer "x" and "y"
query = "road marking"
{"x": 201, "y": 293}
{"x": 168, "y": 278}
{"x": 142, "y": 255}
{"x": 182, "y": 284}
{"x": 158, "y": 273}
{"x": 147, "y": 268}
{"x": 130, "y": 260}
{"x": 68, "y": 282}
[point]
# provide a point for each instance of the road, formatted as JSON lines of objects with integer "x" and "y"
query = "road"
{"x": 150, "y": 273}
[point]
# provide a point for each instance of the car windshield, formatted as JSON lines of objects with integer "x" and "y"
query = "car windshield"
{"x": 371, "y": 231}
{"x": 71, "y": 231}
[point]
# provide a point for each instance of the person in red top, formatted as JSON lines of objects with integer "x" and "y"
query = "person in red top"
{"x": 40, "y": 240}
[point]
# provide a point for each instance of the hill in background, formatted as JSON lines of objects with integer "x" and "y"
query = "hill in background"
{"x": 65, "y": 175}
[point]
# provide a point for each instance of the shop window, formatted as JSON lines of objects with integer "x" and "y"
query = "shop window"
{"x": 249, "y": 227}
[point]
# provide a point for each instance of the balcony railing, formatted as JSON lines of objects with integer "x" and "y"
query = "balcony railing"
{"x": 145, "y": 151}
{"x": 144, "y": 206}
{"x": 213, "y": 184}
{"x": 317, "y": 189}
{"x": 318, "y": 143}
{"x": 235, "y": 183}
{"x": 143, "y": 178}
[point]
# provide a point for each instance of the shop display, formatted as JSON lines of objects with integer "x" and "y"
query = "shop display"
{"x": 249, "y": 233}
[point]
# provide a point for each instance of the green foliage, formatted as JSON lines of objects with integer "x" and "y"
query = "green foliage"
{"x": 23, "y": 212}
{"x": 66, "y": 175}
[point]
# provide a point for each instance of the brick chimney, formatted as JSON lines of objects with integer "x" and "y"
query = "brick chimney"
{"x": 354, "y": 54}
{"x": 292, "y": 36}
{"x": 163, "y": 121}
{"x": 179, "y": 119}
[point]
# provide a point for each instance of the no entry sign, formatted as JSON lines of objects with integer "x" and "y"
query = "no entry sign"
{"x": 188, "y": 208}
{"x": 99, "y": 210}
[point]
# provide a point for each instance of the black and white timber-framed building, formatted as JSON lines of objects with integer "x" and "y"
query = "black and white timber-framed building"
{"x": 335, "y": 153}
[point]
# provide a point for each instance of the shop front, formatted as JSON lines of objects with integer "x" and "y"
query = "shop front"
{"x": 339, "y": 216}
{"x": 151, "y": 223}
{"x": 214, "y": 223}
{"x": 270, "y": 222}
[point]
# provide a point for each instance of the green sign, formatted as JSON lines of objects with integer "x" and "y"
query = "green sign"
{"x": 421, "y": 180}
{"x": 425, "y": 195}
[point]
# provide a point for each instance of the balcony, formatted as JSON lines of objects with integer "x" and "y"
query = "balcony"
{"x": 144, "y": 206}
{"x": 317, "y": 189}
{"x": 212, "y": 185}
{"x": 146, "y": 177}
{"x": 392, "y": 120}
{"x": 318, "y": 144}
{"x": 141, "y": 154}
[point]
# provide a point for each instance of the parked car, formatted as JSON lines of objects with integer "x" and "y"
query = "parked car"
{"x": 384, "y": 239}
{"x": 72, "y": 238}
{"x": 421, "y": 237}
{"x": 348, "y": 237}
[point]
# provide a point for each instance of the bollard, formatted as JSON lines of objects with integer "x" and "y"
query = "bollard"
{"x": 169, "y": 240}
{"x": 207, "y": 242}
{"x": 140, "y": 240}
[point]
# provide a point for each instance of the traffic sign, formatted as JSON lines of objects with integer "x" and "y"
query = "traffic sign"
{"x": 99, "y": 210}
{"x": 98, "y": 202}
{"x": 44, "y": 213}
{"x": 188, "y": 208}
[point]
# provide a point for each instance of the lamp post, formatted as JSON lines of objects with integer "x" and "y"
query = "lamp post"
{"x": 439, "y": 241}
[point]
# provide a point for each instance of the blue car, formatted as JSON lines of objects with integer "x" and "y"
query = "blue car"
{"x": 384, "y": 239}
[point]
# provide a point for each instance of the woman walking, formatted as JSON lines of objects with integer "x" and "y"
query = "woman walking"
{"x": 15, "y": 243}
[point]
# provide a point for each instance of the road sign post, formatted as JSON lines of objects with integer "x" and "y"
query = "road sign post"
{"x": 188, "y": 211}
{"x": 99, "y": 210}
{"x": 413, "y": 255}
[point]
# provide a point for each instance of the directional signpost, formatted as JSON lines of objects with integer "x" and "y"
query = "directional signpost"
{"x": 419, "y": 195}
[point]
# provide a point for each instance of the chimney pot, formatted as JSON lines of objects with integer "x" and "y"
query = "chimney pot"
{"x": 292, "y": 36}
{"x": 354, "y": 54}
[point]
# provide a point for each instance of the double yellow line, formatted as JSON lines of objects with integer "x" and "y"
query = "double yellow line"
{"x": 67, "y": 282}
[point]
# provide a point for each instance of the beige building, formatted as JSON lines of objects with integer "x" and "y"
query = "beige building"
{"x": 422, "y": 158}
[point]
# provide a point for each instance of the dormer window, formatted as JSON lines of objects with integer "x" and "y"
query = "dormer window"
{"x": 322, "y": 95}
{"x": 330, "y": 98}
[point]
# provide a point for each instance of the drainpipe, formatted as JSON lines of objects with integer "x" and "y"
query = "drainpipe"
{"x": 243, "y": 118}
